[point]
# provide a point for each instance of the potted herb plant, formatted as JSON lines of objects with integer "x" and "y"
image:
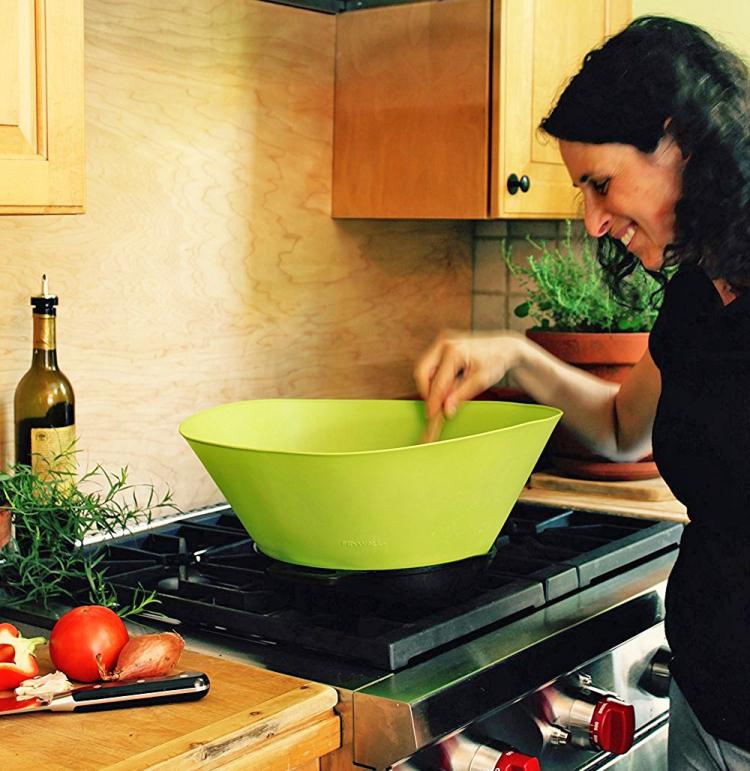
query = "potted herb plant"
{"x": 579, "y": 320}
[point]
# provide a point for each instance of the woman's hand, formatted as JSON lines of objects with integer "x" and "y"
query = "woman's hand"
{"x": 460, "y": 365}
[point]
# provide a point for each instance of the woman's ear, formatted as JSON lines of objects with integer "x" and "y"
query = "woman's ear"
{"x": 670, "y": 133}
{"x": 668, "y": 153}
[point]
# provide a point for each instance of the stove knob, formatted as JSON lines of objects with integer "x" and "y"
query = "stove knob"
{"x": 460, "y": 753}
{"x": 484, "y": 758}
{"x": 612, "y": 726}
{"x": 595, "y": 720}
{"x": 516, "y": 761}
{"x": 657, "y": 677}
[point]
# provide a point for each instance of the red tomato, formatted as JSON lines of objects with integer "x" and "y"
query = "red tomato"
{"x": 81, "y": 635}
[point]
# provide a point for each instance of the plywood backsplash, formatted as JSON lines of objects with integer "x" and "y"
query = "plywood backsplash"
{"x": 207, "y": 268}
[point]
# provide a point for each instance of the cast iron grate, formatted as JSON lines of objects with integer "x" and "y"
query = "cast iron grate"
{"x": 207, "y": 574}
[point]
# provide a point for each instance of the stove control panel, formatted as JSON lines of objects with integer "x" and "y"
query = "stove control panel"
{"x": 608, "y": 707}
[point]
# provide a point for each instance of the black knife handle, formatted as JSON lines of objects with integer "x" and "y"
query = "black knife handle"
{"x": 187, "y": 686}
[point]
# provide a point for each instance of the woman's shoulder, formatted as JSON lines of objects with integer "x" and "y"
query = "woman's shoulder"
{"x": 694, "y": 324}
{"x": 688, "y": 293}
{"x": 690, "y": 279}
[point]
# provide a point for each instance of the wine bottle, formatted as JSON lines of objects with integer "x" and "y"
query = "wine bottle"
{"x": 44, "y": 404}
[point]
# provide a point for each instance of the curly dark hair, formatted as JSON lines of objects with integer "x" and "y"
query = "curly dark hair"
{"x": 661, "y": 72}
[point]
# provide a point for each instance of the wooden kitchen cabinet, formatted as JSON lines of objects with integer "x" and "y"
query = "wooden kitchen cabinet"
{"x": 437, "y": 104}
{"x": 41, "y": 107}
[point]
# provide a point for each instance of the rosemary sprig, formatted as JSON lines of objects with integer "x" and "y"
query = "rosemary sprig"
{"x": 52, "y": 514}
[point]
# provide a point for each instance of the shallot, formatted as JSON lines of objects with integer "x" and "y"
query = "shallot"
{"x": 147, "y": 655}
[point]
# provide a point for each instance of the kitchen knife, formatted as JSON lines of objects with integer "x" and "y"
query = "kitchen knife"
{"x": 187, "y": 686}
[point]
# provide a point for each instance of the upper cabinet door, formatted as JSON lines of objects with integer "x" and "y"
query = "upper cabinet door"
{"x": 41, "y": 107}
{"x": 412, "y": 111}
{"x": 437, "y": 104}
{"x": 539, "y": 45}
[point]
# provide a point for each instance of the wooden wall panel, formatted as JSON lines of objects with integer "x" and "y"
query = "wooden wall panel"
{"x": 207, "y": 268}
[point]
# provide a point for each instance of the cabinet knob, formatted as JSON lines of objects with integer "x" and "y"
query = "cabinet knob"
{"x": 515, "y": 184}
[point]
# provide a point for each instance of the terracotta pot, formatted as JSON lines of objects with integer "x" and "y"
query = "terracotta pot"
{"x": 5, "y": 527}
{"x": 609, "y": 355}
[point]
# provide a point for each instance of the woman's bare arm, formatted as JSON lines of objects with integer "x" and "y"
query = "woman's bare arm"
{"x": 613, "y": 420}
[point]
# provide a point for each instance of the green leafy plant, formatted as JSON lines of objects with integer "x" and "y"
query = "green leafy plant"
{"x": 46, "y": 562}
{"x": 566, "y": 290}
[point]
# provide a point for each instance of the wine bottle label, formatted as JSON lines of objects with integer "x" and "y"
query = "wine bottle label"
{"x": 44, "y": 332}
{"x": 52, "y": 450}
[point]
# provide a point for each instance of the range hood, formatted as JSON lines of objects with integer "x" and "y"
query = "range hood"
{"x": 338, "y": 6}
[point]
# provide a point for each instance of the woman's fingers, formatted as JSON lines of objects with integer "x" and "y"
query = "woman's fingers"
{"x": 445, "y": 379}
{"x": 458, "y": 366}
{"x": 441, "y": 370}
{"x": 470, "y": 385}
{"x": 425, "y": 369}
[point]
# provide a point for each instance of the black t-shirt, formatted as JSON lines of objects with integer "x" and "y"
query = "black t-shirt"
{"x": 701, "y": 444}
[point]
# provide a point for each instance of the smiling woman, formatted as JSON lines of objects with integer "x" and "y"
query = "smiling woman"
{"x": 663, "y": 120}
{"x": 629, "y": 195}
{"x": 654, "y": 132}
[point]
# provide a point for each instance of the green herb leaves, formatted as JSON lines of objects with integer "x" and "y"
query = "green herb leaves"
{"x": 46, "y": 562}
{"x": 566, "y": 290}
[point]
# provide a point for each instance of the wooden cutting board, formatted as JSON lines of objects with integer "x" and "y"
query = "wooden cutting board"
{"x": 250, "y": 719}
{"x": 636, "y": 490}
{"x": 610, "y": 500}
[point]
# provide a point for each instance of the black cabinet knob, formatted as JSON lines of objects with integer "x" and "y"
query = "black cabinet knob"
{"x": 515, "y": 184}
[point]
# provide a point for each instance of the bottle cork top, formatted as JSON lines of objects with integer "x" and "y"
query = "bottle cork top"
{"x": 45, "y": 302}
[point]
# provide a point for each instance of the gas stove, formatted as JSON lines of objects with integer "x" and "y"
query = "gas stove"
{"x": 207, "y": 573}
{"x": 567, "y": 600}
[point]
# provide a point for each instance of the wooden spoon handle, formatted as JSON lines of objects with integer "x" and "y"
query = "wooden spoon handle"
{"x": 433, "y": 429}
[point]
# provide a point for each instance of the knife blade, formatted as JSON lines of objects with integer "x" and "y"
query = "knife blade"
{"x": 187, "y": 686}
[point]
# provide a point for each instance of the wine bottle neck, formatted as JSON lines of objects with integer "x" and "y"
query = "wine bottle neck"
{"x": 45, "y": 342}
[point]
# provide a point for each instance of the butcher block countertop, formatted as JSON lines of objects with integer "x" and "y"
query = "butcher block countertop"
{"x": 647, "y": 499}
{"x": 250, "y": 719}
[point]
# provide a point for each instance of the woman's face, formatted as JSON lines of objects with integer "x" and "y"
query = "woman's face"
{"x": 629, "y": 194}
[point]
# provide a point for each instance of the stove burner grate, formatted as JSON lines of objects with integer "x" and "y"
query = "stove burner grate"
{"x": 208, "y": 574}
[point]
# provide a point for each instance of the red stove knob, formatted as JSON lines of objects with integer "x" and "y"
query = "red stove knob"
{"x": 612, "y": 726}
{"x": 594, "y": 718}
{"x": 516, "y": 761}
{"x": 460, "y": 753}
